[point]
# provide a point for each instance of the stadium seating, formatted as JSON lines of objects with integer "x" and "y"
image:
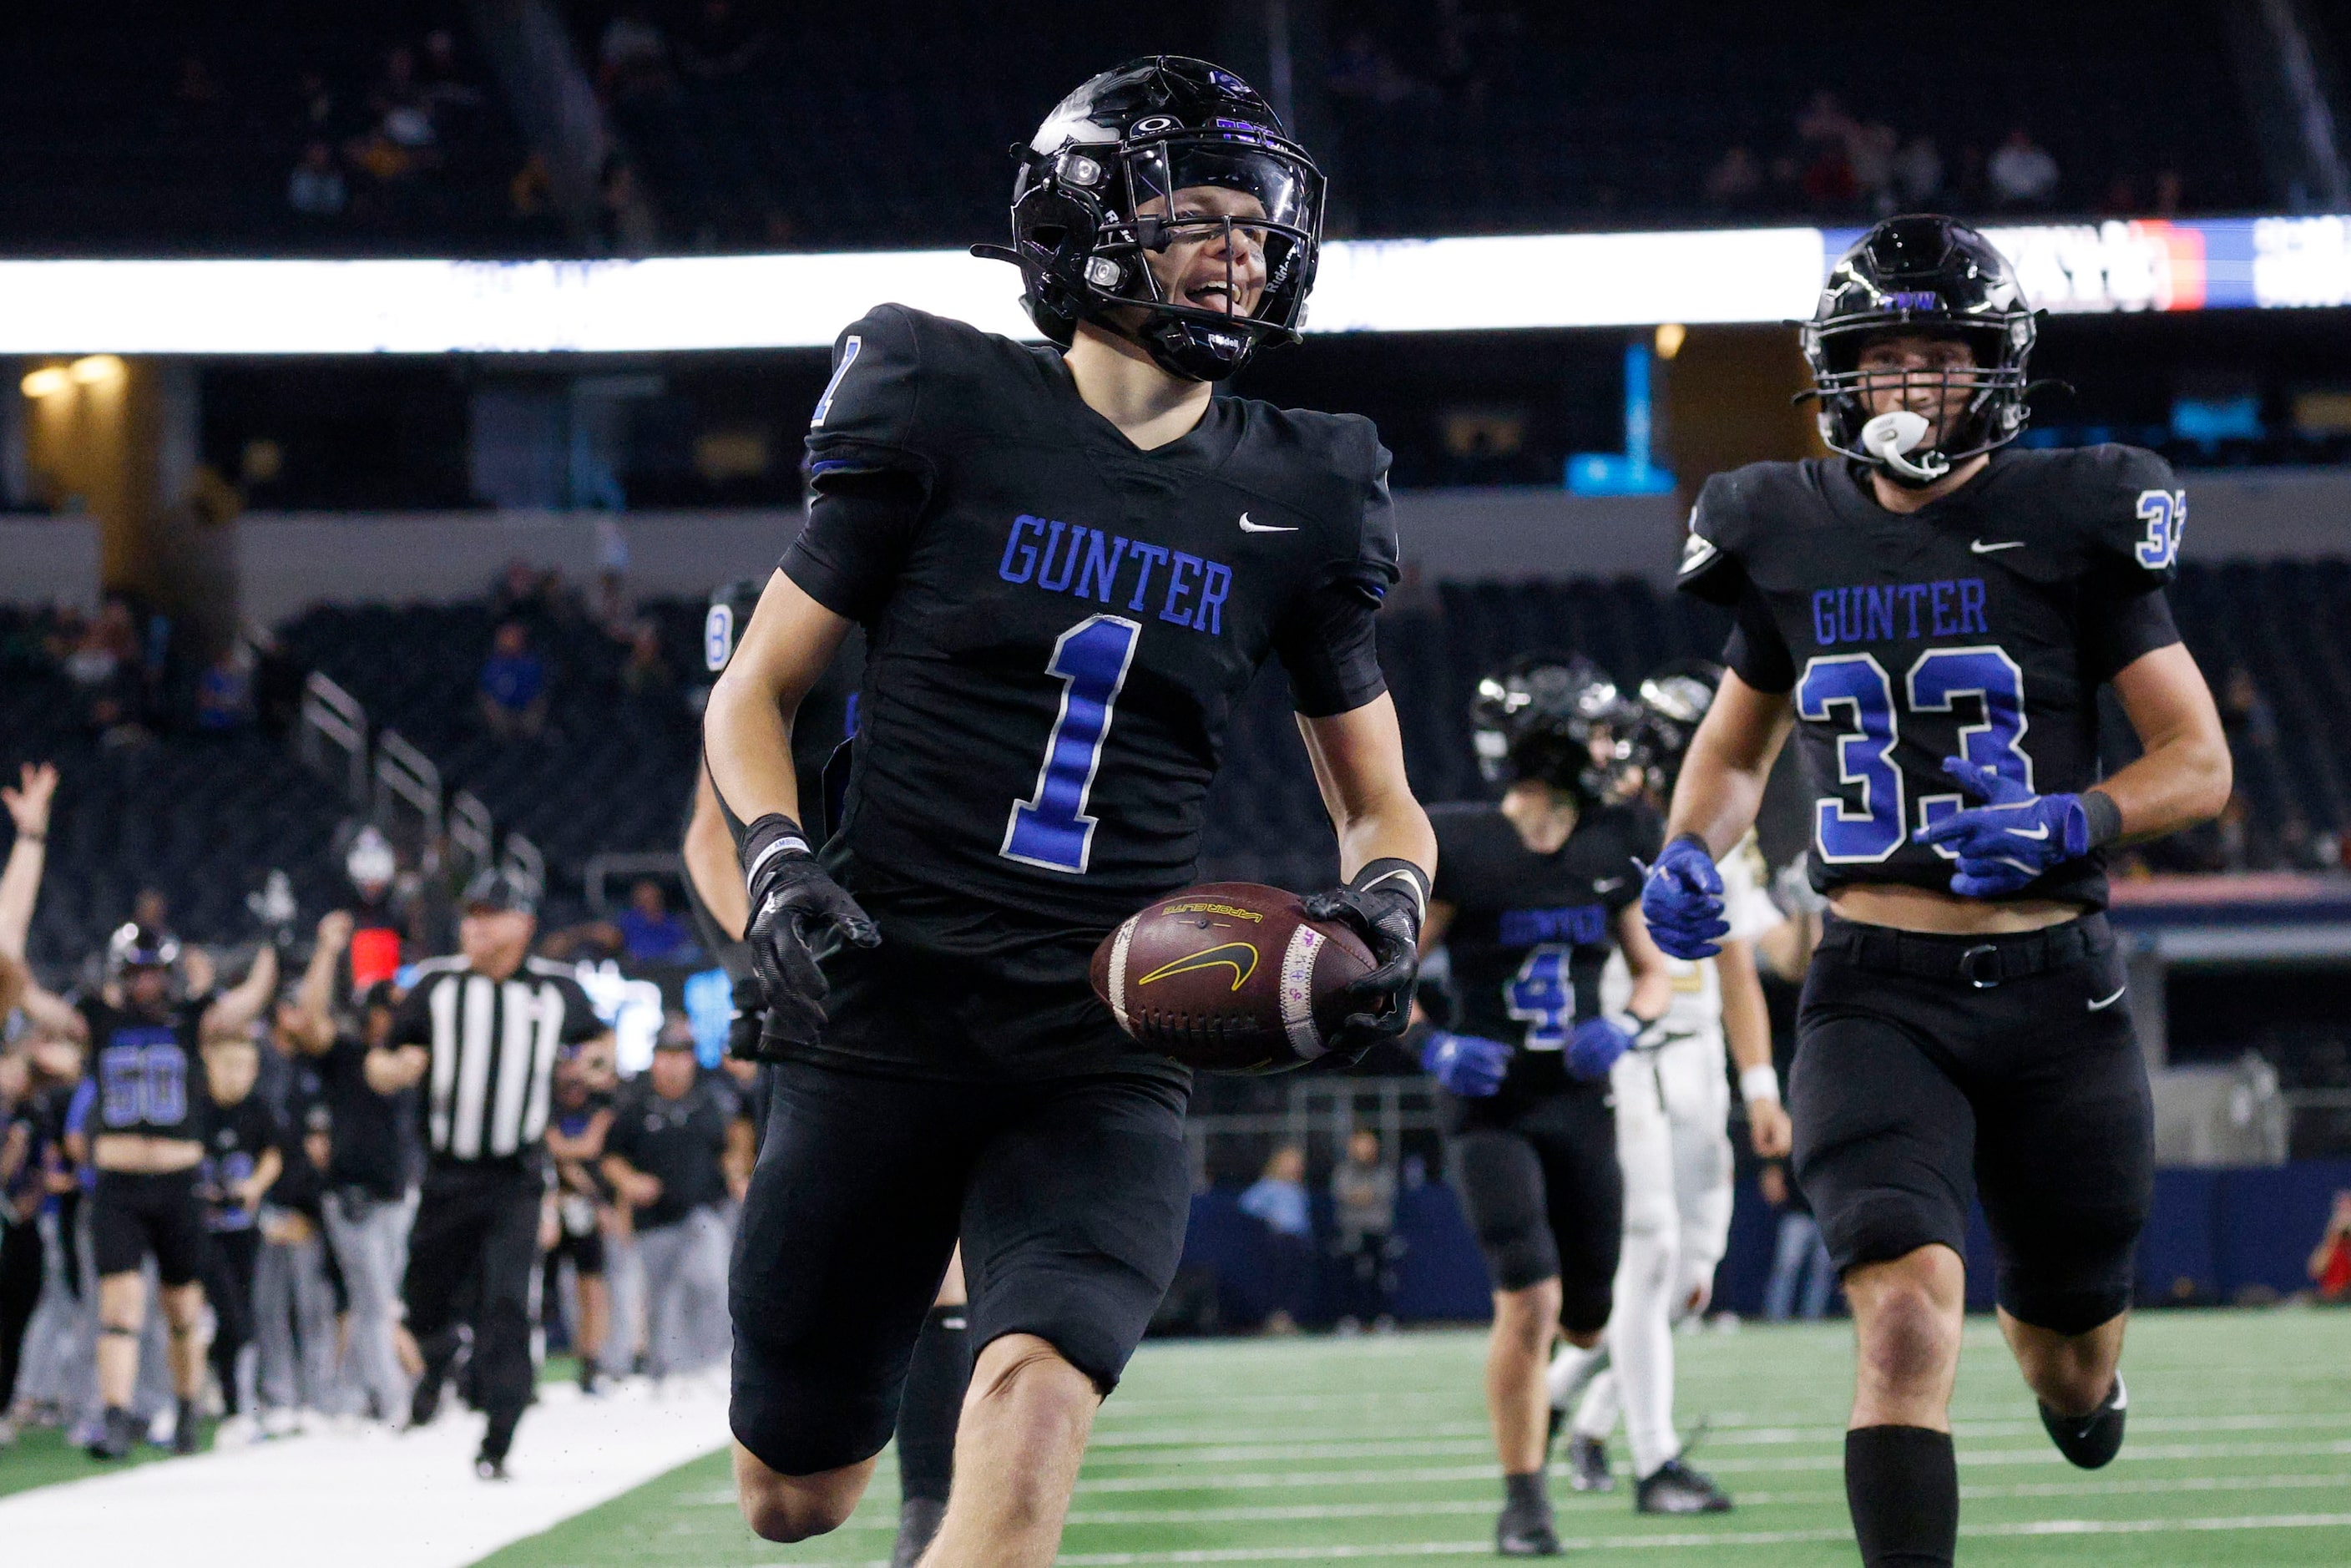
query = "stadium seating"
{"x": 149, "y": 128}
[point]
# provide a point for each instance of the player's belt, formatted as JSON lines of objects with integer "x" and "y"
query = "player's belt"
{"x": 1983, "y": 962}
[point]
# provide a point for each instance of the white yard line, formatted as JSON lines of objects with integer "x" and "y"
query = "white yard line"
{"x": 375, "y": 1501}
{"x": 1687, "y": 1540}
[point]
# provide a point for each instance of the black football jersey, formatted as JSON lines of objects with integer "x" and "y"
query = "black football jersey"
{"x": 1982, "y": 625}
{"x": 239, "y": 1135}
{"x": 145, "y": 1073}
{"x": 1058, "y": 624}
{"x": 1531, "y": 933}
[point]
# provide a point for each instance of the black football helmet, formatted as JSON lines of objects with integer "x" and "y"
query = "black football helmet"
{"x": 731, "y": 604}
{"x": 1673, "y": 700}
{"x": 1139, "y": 133}
{"x": 1554, "y": 716}
{"x": 1932, "y": 276}
{"x": 136, "y": 947}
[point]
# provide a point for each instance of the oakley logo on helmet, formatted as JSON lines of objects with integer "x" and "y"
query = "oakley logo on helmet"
{"x": 1154, "y": 125}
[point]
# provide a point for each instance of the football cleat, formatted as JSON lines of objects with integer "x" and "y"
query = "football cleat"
{"x": 1587, "y": 1464}
{"x": 1525, "y": 1529}
{"x": 2092, "y": 1441}
{"x": 918, "y": 1523}
{"x": 117, "y": 1436}
{"x": 1674, "y": 1488}
{"x": 486, "y": 1468}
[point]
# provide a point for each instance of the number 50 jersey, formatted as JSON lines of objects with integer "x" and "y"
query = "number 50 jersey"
{"x": 1982, "y": 625}
{"x": 1059, "y": 624}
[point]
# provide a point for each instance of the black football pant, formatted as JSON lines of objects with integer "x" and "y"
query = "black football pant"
{"x": 472, "y": 1253}
{"x": 20, "y": 1291}
{"x": 228, "y": 1286}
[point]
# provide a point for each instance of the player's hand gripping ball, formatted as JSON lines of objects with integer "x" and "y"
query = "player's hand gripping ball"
{"x": 1231, "y": 977}
{"x": 2009, "y": 840}
{"x": 1681, "y": 898}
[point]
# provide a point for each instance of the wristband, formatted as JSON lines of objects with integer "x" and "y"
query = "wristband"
{"x": 1398, "y": 873}
{"x": 771, "y": 835}
{"x": 2103, "y": 816}
{"x": 1759, "y": 1083}
{"x": 1692, "y": 838}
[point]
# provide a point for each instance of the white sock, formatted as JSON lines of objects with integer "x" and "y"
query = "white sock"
{"x": 1571, "y": 1368}
{"x": 1596, "y": 1416}
{"x": 1641, "y": 1343}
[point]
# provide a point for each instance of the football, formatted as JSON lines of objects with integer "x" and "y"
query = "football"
{"x": 1229, "y": 977}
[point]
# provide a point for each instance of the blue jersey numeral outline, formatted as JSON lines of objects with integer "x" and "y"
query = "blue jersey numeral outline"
{"x": 1050, "y": 829}
{"x": 1856, "y": 682}
{"x": 1541, "y": 995}
{"x": 849, "y": 348}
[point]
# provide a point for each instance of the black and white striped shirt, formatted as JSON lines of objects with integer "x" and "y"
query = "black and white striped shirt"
{"x": 493, "y": 1044}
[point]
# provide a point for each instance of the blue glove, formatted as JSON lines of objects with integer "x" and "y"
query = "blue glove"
{"x": 1468, "y": 1065}
{"x": 1681, "y": 898}
{"x": 1596, "y": 1045}
{"x": 2006, "y": 843}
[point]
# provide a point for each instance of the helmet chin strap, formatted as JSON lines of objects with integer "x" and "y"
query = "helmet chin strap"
{"x": 1889, "y": 436}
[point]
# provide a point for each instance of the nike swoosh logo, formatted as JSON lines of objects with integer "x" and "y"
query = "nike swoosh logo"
{"x": 1250, "y": 527}
{"x": 1240, "y": 957}
{"x": 2040, "y": 832}
{"x": 2103, "y": 1003}
{"x": 1983, "y": 549}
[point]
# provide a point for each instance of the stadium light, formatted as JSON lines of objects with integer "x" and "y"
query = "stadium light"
{"x": 46, "y": 381}
{"x": 687, "y": 304}
{"x": 94, "y": 369}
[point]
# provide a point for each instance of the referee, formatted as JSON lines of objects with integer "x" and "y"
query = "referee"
{"x": 480, "y": 1030}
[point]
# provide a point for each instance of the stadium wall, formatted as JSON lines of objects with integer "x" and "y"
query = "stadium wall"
{"x": 287, "y": 561}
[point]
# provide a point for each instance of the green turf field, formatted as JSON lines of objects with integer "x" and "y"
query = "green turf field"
{"x": 1373, "y": 1452}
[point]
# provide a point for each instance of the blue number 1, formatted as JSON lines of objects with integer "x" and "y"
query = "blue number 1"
{"x": 1050, "y": 828}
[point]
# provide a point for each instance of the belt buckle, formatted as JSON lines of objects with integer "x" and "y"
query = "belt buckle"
{"x": 1980, "y": 967}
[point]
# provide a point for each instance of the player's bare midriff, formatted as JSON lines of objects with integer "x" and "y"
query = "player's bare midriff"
{"x": 136, "y": 1153}
{"x": 1947, "y": 915}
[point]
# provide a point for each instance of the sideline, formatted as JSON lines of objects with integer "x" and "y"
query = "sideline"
{"x": 368, "y": 1501}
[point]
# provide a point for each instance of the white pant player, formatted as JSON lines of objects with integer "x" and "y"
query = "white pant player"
{"x": 1673, "y": 1111}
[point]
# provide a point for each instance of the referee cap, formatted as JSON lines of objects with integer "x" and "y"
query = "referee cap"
{"x": 496, "y": 887}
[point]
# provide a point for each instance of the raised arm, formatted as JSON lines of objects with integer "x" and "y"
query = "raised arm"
{"x": 314, "y": 1025}
{"x": 20, "y": 880}
{"x": 233, "y": 1010}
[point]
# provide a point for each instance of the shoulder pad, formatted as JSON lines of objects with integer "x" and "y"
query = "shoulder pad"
{"x": 2131, "y": 511}
{"x": 1713, "y": 564}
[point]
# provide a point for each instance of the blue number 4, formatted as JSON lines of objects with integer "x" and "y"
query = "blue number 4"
{"x": 1542, "y": 996}
{"x": 1050, "y": 828}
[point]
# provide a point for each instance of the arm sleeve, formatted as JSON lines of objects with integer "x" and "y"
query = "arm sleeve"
{"x": 1756, "y": 649}
{"x": 579, "y": 1019}
{"x": 1710, "y": 566}
{"x": 2137, "y": 513}
{"x": 412, "y": 1024}
{"x": 1329, "y": 640}
{"x": 869, "y": 478}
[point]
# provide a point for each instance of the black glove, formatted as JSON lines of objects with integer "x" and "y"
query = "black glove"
{"x": 793, "y": 905}
{"x": 750, "y": 998}
{"x": 1385, "y": 905}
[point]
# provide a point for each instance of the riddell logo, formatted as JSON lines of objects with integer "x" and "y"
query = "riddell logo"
{"x": 1239, "y": 957}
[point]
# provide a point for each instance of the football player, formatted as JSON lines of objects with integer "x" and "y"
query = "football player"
{"x": 146, "y": 1112}
{"x": 1069, "y": 561}
{"x": 1934, "y": 611}
{"x": 1532, "y": 897}
{"x": 1672, "y": 1107}
{"x": 938, "y": 1373}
